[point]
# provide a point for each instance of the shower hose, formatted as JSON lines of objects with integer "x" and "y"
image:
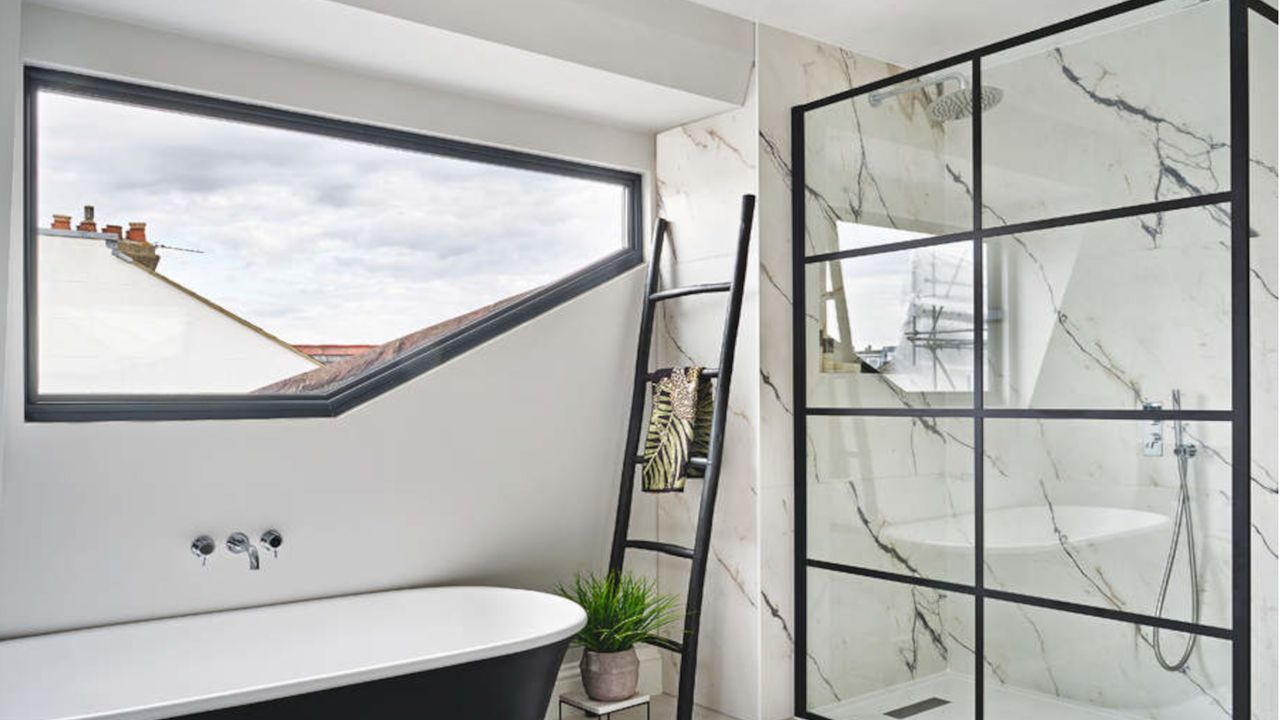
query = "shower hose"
{"x": 1183, "y": 453}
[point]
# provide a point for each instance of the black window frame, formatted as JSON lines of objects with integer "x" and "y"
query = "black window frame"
{"x": 378, "y": 380}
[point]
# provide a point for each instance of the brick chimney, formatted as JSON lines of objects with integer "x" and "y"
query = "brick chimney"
{"x": 88, "y": 225}
{"x": 61, "y": 222}
{"x": 135, "y": 245}
{"x": 114, "y": 230}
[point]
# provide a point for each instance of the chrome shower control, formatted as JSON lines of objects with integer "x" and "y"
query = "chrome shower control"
{"x": 272, "y": 540}
{"x": 202, "y": 547}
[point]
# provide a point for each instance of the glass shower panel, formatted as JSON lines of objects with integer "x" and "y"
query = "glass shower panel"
{"x": 891, "y": 165}
{"x": 892, "y": 494}
{"x": 1130, "y": 110}
{"x": 1048, "y": 664}
{"x": 880, "y": 649}
{"x": 1086, "y": 511}
{"x": 892, "y": 329}
{"x": 1114, "y": 314}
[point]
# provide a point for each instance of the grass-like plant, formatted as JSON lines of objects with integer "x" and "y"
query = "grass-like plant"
{"x": 622, "y": 610}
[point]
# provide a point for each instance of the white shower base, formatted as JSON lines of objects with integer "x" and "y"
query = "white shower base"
{"x": 1001, "y": 703}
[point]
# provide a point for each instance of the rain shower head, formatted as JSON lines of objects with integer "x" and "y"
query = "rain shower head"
{"x": 958, "y": 104}
{"x": 955, "y": 105}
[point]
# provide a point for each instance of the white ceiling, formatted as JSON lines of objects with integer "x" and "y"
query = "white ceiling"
{"x": 907, "y": 32}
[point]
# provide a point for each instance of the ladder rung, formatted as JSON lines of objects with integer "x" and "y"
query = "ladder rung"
{"x": 662, "y": 372}
{"x": 696, "y": 461}
{"x": 690, "y": 290}
{"x": 667, "y": 548}
{"x": 666, "y": 644}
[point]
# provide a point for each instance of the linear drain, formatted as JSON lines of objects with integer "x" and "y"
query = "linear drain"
{"x": 916, "y": 708}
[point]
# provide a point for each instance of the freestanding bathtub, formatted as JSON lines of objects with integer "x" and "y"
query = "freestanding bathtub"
{"x": 454, "y": 652}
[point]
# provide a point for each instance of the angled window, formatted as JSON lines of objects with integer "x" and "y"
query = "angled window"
{"x": 192, "y": 258}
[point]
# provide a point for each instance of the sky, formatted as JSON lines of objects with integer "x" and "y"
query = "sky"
{"x": 314, "y": 239}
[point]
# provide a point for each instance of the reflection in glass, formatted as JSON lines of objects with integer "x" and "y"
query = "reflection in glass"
{"x": 898, "y": 159}
{"x": 1115, "y": 314}
{"x": 892, "y": 494}
{"x": 1048, "y": 664}
{"x": 894, "y": 329}
{"x": 878, "y": 648}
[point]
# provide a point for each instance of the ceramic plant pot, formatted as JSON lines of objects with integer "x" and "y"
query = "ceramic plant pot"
{"x": 610, "y": 676}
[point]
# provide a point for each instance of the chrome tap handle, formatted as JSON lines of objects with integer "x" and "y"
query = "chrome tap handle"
{"x": 272, "y": 540}
{"x": 202, "y": 547}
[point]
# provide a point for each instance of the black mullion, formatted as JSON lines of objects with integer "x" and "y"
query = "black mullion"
{"x": 979, "y": 388}
{"x": 1264, "y": 10}
{"x": 1241, "y": 582}
{"x": 1119, "y": 213}
{"x": 1026, "y": 413}
{"x": 799, "y": 398}
{"x": 1083, "y": 218}
{"x": 1064, "y": 606}
{"x": 890, "y": 576}
{"x": 1121, "y": 616}
{"x": 890, "y": 247}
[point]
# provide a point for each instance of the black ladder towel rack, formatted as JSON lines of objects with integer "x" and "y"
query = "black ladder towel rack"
{"x": 687, "y": 647}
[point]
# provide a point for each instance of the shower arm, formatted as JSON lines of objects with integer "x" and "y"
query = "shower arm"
{"x": 880, "y": 96}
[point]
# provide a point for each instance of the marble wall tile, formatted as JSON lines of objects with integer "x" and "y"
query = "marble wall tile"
{"x": 703, "y": 170}
{"x": 792, "y": 70}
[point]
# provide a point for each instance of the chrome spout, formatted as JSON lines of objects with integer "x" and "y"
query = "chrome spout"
{"x": 238, "y": 543}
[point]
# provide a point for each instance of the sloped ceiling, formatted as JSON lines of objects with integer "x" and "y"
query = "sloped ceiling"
{"x": 907, "y": 32}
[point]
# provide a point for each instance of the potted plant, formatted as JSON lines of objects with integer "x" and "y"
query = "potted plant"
{"x": 622, "y": 610}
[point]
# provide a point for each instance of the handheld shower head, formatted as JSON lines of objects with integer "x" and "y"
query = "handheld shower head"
{"x": 958, "y": 104}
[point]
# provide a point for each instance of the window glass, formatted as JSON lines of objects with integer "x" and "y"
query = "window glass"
{"x": 179, "y": 253}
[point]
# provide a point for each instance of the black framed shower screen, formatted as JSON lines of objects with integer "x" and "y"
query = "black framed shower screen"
{"x": 1237, "y": 198}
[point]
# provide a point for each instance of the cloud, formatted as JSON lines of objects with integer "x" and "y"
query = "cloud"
{"x": 316, "y": 239}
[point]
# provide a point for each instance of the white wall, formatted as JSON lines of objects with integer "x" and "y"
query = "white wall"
{"x": 498, "y": 467}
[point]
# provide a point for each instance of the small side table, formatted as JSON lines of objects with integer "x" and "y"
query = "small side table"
{"x": 597, "y": 708}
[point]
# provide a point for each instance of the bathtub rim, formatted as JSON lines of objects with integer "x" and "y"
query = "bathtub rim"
{"x": 354, "y": 675}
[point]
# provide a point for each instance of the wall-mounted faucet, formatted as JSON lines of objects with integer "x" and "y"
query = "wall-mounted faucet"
{"x": 239, "y": 543}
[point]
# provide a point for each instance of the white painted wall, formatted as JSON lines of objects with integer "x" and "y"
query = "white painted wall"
{"x": 72, "y": 41}
{"x": 10, "y": 199}
{"x": 498, "y": 467}
{"x": 107, "y": 325}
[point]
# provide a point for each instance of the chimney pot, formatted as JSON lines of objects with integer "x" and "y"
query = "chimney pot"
{"x": 137, "y": 232}
{"x": 88, "y": 225}
{"x": 114, "y": 230}
{"x": 61, "y": 222}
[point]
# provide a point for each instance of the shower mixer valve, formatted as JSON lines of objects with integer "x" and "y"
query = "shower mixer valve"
{"x": 1153, "y": 442}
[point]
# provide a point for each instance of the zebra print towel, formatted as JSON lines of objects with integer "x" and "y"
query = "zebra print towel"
{"x": 679, "y": 428}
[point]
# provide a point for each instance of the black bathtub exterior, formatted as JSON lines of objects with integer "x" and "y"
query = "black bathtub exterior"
{"x": 507, "y": 687}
